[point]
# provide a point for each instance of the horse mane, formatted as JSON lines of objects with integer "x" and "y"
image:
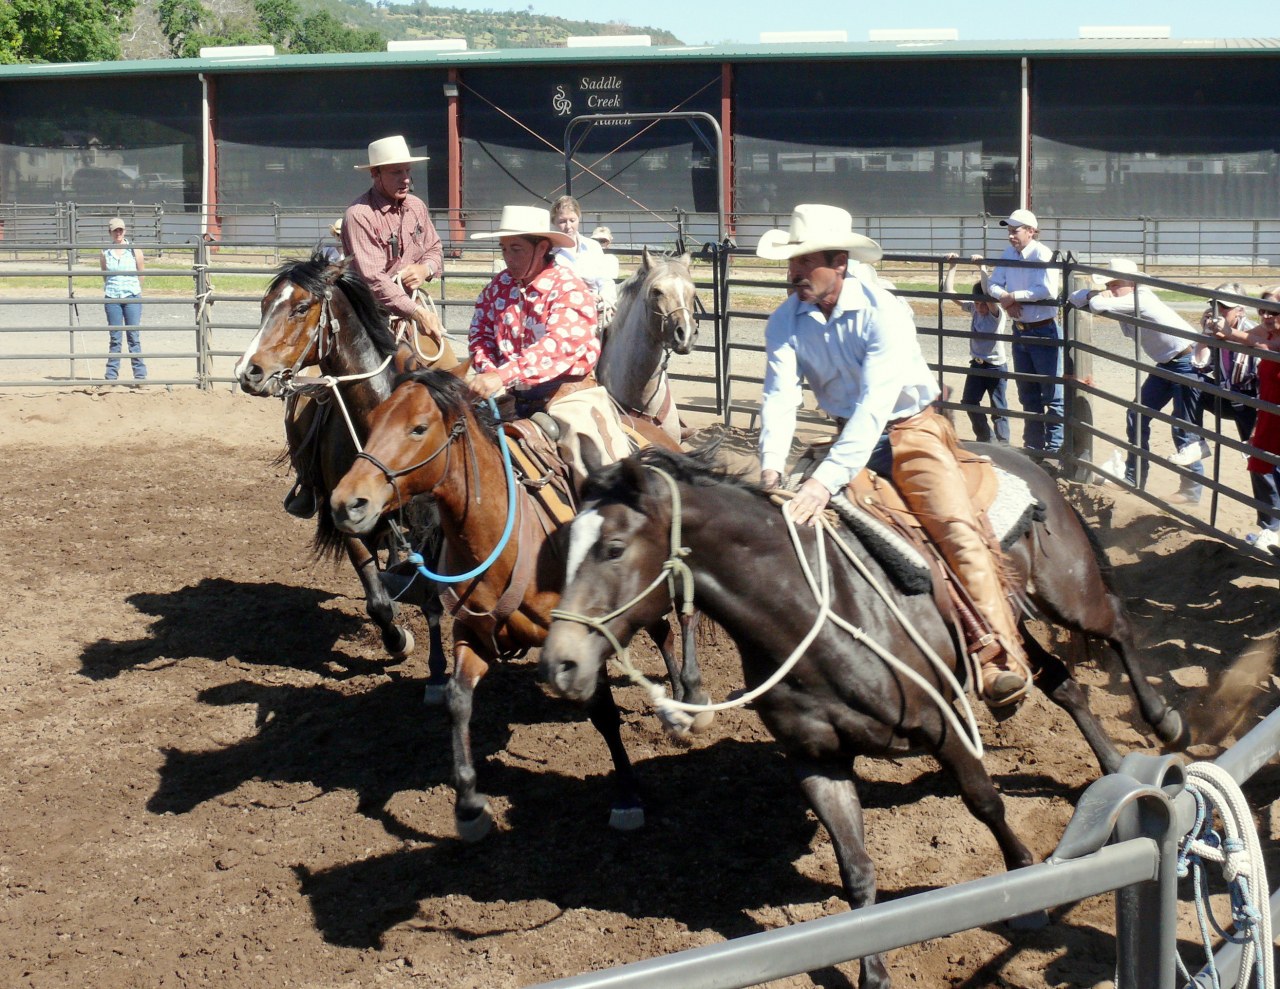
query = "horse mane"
{"x": 702, "y": 468}
{"x": 451, "y": 396}
{"x": 317, "y": 274}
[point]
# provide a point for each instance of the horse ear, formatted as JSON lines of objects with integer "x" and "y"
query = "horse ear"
{"x": 460, "y": 369}
{"x": 647, "y": 263}
{"x": 686, "y": 259}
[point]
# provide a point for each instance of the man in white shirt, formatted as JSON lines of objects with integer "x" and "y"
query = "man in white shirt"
{"x": 1121, "y": 297}
{"x": 1029, "y": 294}
{"x": 856, "y": 346}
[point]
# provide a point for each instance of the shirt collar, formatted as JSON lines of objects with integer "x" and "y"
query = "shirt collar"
{"x": 852, "y": 297}
{"x": 382, "y": 203}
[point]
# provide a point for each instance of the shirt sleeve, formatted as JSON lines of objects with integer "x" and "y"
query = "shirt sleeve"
{"x": 482, "y": 340}
{"x": 782, "y": 393}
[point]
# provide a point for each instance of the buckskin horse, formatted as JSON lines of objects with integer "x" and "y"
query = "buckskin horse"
{"x": 427, "y": 438}
{"x": 655, "y": 317}
{"x": 841, "y": 699}
{"x": 319, "y": 314}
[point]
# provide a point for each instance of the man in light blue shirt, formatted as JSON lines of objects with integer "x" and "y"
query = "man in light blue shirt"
{"x": 1030, "y": 296}
{"x": 855, "y": 344}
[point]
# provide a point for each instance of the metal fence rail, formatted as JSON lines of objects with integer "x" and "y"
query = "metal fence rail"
{"x": 1122, "y": 837}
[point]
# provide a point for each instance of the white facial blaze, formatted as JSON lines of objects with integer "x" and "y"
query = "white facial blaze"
{"x": 583, "y": 534}
{"x": 268, "y": 318}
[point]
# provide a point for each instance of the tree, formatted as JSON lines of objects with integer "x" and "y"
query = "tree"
{"x": 62, "y": 30}
{"x": 322, "y": 32}
{"x": 278, "y": 19}
{"x": 181, "y": 20}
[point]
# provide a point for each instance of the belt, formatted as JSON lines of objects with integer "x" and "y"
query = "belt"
{"x": 547, "y": 392}
{"x": 1031, "y": 326}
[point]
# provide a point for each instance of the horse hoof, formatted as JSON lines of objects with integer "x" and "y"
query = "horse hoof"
{"x": 1030, "y": 921}
{"x": 406, "y": 646}
{"x": 626, "y": 818}
{"x": 433, "y": 694}
{"x": 475, "y": 828}
{"x": 1172, "y": 731}
{"x": 702, "y": 721}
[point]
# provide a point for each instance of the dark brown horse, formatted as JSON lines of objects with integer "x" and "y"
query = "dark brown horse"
{"x": 317, "y": 314}
{"x": 841, "y": 699}
{"x": 426, "y": 439}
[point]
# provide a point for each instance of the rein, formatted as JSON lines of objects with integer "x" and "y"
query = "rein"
{"x": 679, "y": 713}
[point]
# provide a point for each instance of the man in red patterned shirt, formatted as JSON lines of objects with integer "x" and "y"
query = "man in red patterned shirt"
{"x": 534, "y": 334}
{"x": 390, "y": 239}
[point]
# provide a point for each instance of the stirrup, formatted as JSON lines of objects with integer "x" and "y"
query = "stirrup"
{"x": 548, "y": 425}
{"x": 301, "y": 501}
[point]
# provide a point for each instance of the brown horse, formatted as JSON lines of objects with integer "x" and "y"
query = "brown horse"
{"x": 844, "y": 697}
{"x": 426, "y": 439}
{"x": 317, "y": 314}
{"x": 656, "y": 317}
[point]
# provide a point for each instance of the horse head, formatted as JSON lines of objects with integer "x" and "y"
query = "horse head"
{"x": 671, "y": 301}
{"x": 408, "y": 450}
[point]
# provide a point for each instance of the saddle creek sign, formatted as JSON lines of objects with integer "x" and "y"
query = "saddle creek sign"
{"x": 590, "y": 94}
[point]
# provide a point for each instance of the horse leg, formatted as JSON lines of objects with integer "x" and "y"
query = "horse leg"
{"x": 377, "y": 602}
{"x": 627, "y": 812}
{"x": 684, "y": 675}
{"x": 833, "y": 795}
{"x": 1163, "y": 719}
{"x": 471, "y": 812}
{"x": 433, "y": 694}
{"x": 1054, "y": 680}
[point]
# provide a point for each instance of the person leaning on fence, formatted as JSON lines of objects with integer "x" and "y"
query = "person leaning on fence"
{"x": 1264, "y": 477}
{"x": 1029, "y": 296}
{"x": 122, "y": 287}
{"x": 856, "y": 346}
{"x": 1231, "y": 370}
{"x": 534, "y": 334}
{"x": 986, "y": 353}
{"x": 1118, "y": 296}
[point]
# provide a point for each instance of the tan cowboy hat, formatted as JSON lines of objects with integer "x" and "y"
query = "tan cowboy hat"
{"x": 815, "y": 227}
{"x": 527, "y": 221}
{"x": 1119, "y": 268}
{"x": 335, "y": 228}
{"x": 392, "y": 150}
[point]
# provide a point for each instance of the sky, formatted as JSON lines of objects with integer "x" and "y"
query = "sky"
{"x": 715, "y": 21}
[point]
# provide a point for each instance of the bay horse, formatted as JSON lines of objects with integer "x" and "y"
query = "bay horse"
{"x": 427, "y": 439}
{"x": 319, "y": 314}
{"x": 840, "y": 700}
{"x": 655, "y": 317}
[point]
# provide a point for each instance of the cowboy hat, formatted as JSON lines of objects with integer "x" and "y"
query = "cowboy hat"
{"x": 1118, "y": 268}
{"x": 527, "y": 221}
{"x": 817, "y": 228}
{"x": 335, "y": 227}
{"x": 390, "y": 151}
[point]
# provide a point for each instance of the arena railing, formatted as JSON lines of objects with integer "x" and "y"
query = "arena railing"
{"x": 1123, "y": 838}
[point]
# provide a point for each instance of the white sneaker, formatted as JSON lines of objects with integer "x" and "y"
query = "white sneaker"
{"x": 1192, "y": 454}
{"x": 1266, "y": 539}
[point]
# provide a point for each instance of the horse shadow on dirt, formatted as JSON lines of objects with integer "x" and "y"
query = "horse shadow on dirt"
{"x": 217, "y": 619}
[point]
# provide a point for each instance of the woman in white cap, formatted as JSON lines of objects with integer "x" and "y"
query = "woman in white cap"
{"x": 390, "y": 239}
{"x": 122, "y": 287}
{"x": 855, "y": 344}
{"x": 534, "y": 334}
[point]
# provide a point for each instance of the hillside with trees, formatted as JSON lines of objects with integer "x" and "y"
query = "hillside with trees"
{"x": 105, "y": 30}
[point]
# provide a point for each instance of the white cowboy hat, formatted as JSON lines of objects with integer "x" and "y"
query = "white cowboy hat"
{"x": 1119, "y": 268}
{"x": 527, "y": 221}
{"x": 815, "y": 227}
{"x": 390, "y": 151}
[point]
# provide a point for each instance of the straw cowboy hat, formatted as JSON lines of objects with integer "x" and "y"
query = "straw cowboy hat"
{"x": 817, "y": 228}
{"x": 527, "y": 221}
{"x": 335, "y": 228}
{"x": 392, "y": 150}
{"x": 1119, "y": 267}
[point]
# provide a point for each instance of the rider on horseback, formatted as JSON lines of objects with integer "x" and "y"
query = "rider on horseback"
{"x": 534, "y": 334}
{"x": 856, "y": 346}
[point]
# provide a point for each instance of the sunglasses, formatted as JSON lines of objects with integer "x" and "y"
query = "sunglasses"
{"x": 1268, "y": 314}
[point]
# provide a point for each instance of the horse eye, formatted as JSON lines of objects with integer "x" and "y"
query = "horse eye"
{"x": 421, "y": 429}
{"x": 301, "y": 309}
{"x": 614, "y": 549}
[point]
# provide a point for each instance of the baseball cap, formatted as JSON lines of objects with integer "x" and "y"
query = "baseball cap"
{"x": 602, "y": 233}
{"x": 115, "y": 223}
{"x": 1021, "y": 218}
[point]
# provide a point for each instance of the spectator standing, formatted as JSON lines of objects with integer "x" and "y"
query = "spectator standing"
{"x": 1123, "y": 297}
{"x": 604, "y": 237}
{"x": 1234, "y": 371}
{"x": 1029, "y": 296}
{"x": 333, "y": 251}
{"x": 986, "y": 353}
{"x": 585, "y": 257}
{"x": 123, "y": 264}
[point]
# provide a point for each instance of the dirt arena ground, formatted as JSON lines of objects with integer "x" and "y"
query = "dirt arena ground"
{"x": 216, "y": 778}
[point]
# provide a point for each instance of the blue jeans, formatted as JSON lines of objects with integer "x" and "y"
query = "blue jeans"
{"x": 1035, "y": 351}
{"x": 1156, "y": 393}
{"x": 125, "y": 313}
{"x": 976, "y": 387}
{"x": 1265, "y": 488}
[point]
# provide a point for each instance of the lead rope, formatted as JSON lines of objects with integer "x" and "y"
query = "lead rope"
{"x": 679, "y": 714}
{"x": 408, "y": 332}
{"x": 1238, "y": 851}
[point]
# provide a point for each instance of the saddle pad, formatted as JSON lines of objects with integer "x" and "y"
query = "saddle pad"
{"x": 1011, "y": 515}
